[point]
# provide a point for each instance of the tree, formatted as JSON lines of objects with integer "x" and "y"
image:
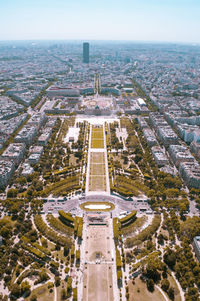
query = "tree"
{"x": 33, "y": 298}
{"x": 171, "y": 293}
{"x": 63, "y": 294}
{"x": 16, "y": 291}
{"x": 21, "y": 180}
{"x": 5, "y": 232}
{"x": 12, "y": 193}
{"x": 165, "y": 285}
{"x": 57, "y": 281}
{"x": 138, "y": 158}
{"x": 44, "y": 243}
{"x": 66, "y": 250}
{"x": 25, "y": 287}
{"x": 170, "y": 258}
{"x": 193, "y": 293}
{"x": 43, "y": 276}
{"x": 150, "y": 285}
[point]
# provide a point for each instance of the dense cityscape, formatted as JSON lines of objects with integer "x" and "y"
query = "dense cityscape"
{"x": 99, "y": 171}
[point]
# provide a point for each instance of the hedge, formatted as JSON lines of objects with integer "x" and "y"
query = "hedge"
{"x": 26, "y": 274}
{"x": 72, "y": 253}
{"x": 69, "y": 183}
{"x": 119, "y": 275}
{"x": 127, "y": 220}
{"x": 128, "y": 187}
{"x": 35, "y": 245}
{"x": 75, "y": 294}
{"x": 59, "y": 226}
{"x": 69, "y": 285}
{"x": 34, "y": 251}
{"x": 54, "y": 264}
{"x": 78, "y": 254}
{"x": 49, "y": 233}
{"x": 139, "y": 222}
{"x": 66, "y": 218}
{"x": 115, "y": 229}
{"x": 41, "y": 248}
{"x": 145, "y": 234}
{"x": 78, "y": 227}
{"x": 118, "y": 259}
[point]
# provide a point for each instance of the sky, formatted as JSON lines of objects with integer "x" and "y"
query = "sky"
{"x": 132, "y": 20}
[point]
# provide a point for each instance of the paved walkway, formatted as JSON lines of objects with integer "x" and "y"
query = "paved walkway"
{"x": 98, "y": 276}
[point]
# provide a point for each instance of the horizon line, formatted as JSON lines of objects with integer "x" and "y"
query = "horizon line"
{"x": 100, "y": 40}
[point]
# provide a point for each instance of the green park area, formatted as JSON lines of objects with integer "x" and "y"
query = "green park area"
{"x": 139, "y": 292}
{"x": 97, "y": 138}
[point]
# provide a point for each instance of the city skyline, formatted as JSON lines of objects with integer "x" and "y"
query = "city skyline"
{"x": 171, "y": 21}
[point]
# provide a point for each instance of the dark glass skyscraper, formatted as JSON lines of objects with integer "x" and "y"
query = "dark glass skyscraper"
{"x": 86, "y": 53}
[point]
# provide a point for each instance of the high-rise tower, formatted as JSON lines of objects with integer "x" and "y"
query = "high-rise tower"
{"x": 86, "y": 53}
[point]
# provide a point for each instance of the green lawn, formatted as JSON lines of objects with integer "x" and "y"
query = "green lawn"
{"x": 176, "y": 290}
{"x": 42, "y": 293}
{"x": 97, "y": 143}
{"x": 139, "y": 292}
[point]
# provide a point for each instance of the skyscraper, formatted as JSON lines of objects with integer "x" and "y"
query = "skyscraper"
{"x": 86, "y": 53}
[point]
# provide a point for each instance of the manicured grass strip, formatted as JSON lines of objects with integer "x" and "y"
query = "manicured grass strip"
{"x": 97, "y": 143}
{"x": 97, "y": 137}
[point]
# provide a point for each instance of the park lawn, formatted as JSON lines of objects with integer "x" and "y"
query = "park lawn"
{"x": 67, "y": 184}
{"x": 176, "y": 290}
{"x": 126, "y": 186}
{"x": 51, "y": 245}
{"x": 136, "y": 225}
{"x": 42, "y": 293}
{"x": 63, "y": 284}
{"x": 72, "y": 160}
{"x": 97, "y": 143}
{"x": 22, "y": 195}
{"x": 7, "y": 220}
{"x": 58, "y": 254}
{"x": 97, "y": 134}
{"x": 139, "y": 292}
{"x": 97, "y": 183}
{"x": 97, "y": 157}
{"x": 118, "y": 157}
{"x": 164, "y": 232}
{"x": 97, "y": 169}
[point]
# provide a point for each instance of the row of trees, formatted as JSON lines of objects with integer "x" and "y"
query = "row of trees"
{"x": 145, "y": 234}
{"x": 49, "y": 233}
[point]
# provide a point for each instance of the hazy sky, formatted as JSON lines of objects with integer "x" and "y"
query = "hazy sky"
{"x": 142, "y": 20}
